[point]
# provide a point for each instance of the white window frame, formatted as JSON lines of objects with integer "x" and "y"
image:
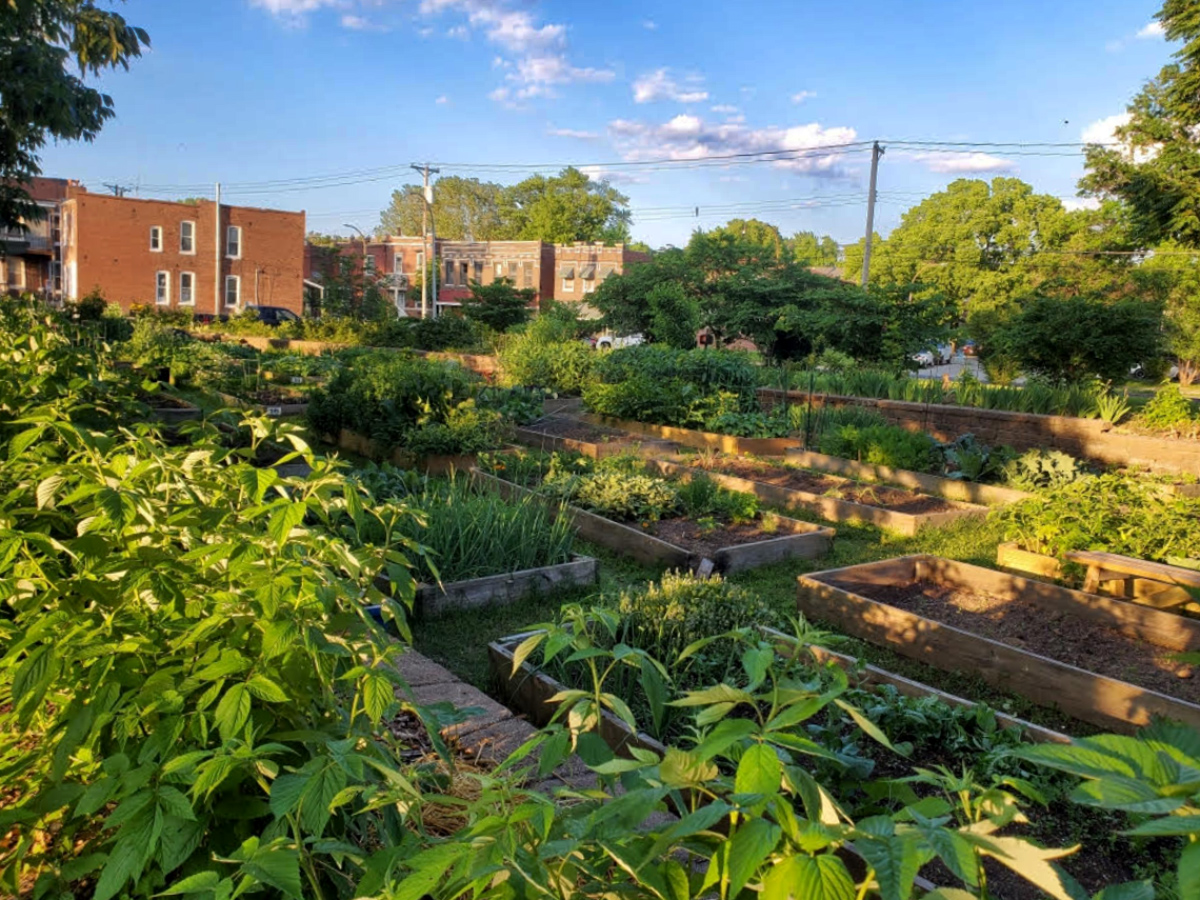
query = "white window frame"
{"x": 192, "y": 235}
{"x": 589, "y": 285}
{"x": 234, "y": 232}
{"x": 568, "y": 285}
{"x": 156, "y": 239}
{"x": 499, "y": 270}
{"x": 191, "y": 291}
{"x": 398, "y": 262}
{"x": 237, "y": 284}
{"x": 162, "y": 288}
{"x": 368, "y": 264}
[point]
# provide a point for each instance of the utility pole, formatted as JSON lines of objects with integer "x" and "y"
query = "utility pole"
{"x": 118, "y": 190}
{"x": 430, "y": 258}
{"x": 876, "y": 153}
{"x": 218, "y": 281}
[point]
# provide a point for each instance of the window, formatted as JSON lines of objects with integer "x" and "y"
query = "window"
{"x": 368, "y": 264}
{"x": 479, "y": 270}
{"x": 589, "y": 279}
{"x": 464, "y": 274}
{"x": 527, "y": 275}
{"x": 398, "y": 263}
{"x": 512, "y": 272}
{"x": 568, "y": 281}
{"x": 187, "y": 237}
{"x": 156, "y": 239}
{"x": 187, "y": 289}
{"x": 451, "y": 268}
{"x": 233, "y": 242}
{"x": 162, "y": 288}
{"x": 233, "y": 290}
{"x": 499, "y": 270}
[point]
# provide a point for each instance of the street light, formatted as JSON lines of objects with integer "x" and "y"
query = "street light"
{"x": 364, "y": 240}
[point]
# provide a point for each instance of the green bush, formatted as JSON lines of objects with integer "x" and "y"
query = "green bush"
{"x": 621, "y": 496}
{"x": 1039, "y": 470}
{"x": 882, "y": 445}
{"x": 563, "y": 367}
{"x": 1168, "y": 410}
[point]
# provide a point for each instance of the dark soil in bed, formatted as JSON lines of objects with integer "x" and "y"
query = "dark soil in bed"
{"x": 574, "y": 430}
{"x": 1027, "y": 625}
{"x": 894, "y": 499}
{"x": 706, "y": 541}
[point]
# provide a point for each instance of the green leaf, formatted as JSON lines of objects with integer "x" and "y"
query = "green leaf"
{"x": 680, "y": 768}
{"x": 750, "y": 847}
{"x": 286, "y": 791}
{"x": 656, "y": 693}
{"x": 1130, "y": 890}
{"x": 721, "y": 693}
{"x": 233, "y": 712}
{"x": 1189, "y": 871}
{"x": 124, "y": 863}
{"x": 201, "y": 882}
{"x": 1125, "y": 794}
{"x": 265, "y": 689}
{"x": 867, "y": 725}
{"x": 426, "y": 869}
{"x": 279, "y": 868}
{"x": 526, "y": 647}
{"x": 377, "y": 695}
{"x": 1030, "y": 862}
{"x": 47, "y": 489}
{"x": 174, "y": 803}
{"x": 896, "y": 861}
{"x": 759, "y": 771}
{"x": 821, "y": 877}
{"x": 950, "y": 894}
{"x": 287, "y": 517}
{"x": 1169, "y": 825}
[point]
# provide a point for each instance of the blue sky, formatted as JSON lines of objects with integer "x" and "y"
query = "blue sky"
{"x": 251, "y": 91}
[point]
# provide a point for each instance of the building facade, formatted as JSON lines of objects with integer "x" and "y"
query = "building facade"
{"x": 563, "y": 272}
{"x": 31, "y": 257}
{"x": 198, "y": 256}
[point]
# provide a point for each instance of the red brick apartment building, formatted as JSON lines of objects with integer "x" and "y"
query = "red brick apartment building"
{"x": 562, "y": 272}
{"x": 198, "y": 256}
{"x": 31, "y": 258}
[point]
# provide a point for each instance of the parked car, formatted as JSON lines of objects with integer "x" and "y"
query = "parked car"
{"x": 924, "y": 359}
{"x": 606, "y": 340}
{"x": 273, "y": 315}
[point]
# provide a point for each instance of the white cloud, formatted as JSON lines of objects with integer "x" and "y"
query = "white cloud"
{"x": 599, "y": 173}
{"x": 726, "y": 109}
{"x": 649, "y": 24}
{"x": 1153, "y": 30}
{"x": 291, "y": 8}
{"x": 801, "y": 96}
{"x": 459, "y": 32}
{"x": 442, "y": 100}
{"x": 964, "y": 163}
{"x": 660, "y": 85}
{"x": 573, "y": 133}
{"x": 1104, "y": 131}
{"x": 1073, "y": 204}
{"x": 536, "y": 76}
{"x": 687, "y": 137}
{"x": 355, "y": 23}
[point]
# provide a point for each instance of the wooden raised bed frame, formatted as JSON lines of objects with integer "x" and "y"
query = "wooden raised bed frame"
{"x": 948, "y": 488}
{"x": 354, "y": 442}
{"x": 1098, "y": 699}
{"x": 701, "y": 440}
{"x": 531, "y": 437}
{"x": 831, "y": 508}
{"x": 434, "y": 600}
{"x": 806, "y": 541}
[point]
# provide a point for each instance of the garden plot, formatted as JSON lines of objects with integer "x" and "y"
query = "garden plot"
{"x": 1105, "y": 662}
{"x": 618, "y": 504}
{"x": 565, "y": 433}
{"x": 699, "y": 440}
{"x": 834, "y": 499}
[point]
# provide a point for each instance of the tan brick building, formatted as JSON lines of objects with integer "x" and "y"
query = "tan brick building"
{"x": 181, "y": 255}
{"x": 31, "y": 258}
{"x": 563, "y": 272}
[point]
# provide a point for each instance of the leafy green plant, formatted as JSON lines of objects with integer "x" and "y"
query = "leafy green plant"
{"x": 1111, "y": 407}
{"x": 1039, "y": 470}
{"x": 1168, "y": 410}
{"x": 882, "y": 445}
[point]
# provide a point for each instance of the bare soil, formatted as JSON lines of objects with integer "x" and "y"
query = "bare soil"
{"x": 1061, "y": 636}
{"x": 890, "y": 498}
{"x": 705, "y": 542}
{"x": 575, "y": 430}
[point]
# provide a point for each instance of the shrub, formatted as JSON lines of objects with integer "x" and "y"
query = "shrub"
{"x": 1168, "y": 410}
{"x": 622, "y": 496}
{"x": 1039, "y": 470}
{"x": 882, "y": 445}
{"x": 498, "y": 306}
{"x": 563, "y": 367}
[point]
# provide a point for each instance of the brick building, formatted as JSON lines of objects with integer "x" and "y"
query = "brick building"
{"x": 31, "y": 258}
{"x": 181, "y": 255}
{"x": 562, "y": 272}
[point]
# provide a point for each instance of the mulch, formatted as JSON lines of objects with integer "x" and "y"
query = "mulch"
{"x": 890, "y": 498}
{"x": 1027, "y": 625}
{"x": 706, "y": 541}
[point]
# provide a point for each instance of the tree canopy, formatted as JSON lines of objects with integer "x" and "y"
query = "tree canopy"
{"x": 563, "y": 208}
{"x": 1155, "y": 168}
{"x": 40, "y": 98}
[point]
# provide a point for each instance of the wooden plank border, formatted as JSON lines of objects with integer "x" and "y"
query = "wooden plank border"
{"x": 1107, "y": 702}
{"x": 948, "y": 488}
{"x": 806, "y": 541}
{"x": 701, "y": 440}
{"x": 831, "y": 508}
{"x": 500, "y": 590}
{"x": 531, "y": 437}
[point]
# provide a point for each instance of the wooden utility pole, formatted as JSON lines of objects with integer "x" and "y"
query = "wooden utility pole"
{"x": 430, "y": 258}
{"x": 876, "y": 153}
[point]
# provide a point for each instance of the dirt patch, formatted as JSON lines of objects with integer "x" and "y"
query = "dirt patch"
{"x": 575, "y": 430}
{"x": 1027, "y": 625}
{"x": 707, "y": 541}
{"x": 894, "y": 499}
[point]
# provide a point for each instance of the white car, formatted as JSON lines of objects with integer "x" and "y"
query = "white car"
{"x": 608, "y": 341}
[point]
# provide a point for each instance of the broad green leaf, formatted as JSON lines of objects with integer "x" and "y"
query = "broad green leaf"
{"x": 867, "y": 725}
{"x": 377, "y": 695}
{"x": 896, "y": 861}
{"x": 720, "y": 693}
{"x": 1030, "y": 862}
{"x": 265, "y": 689}
{"x": 682, "y": 769}
{"x": 822, "y": 877}
{"x": 750, "y": 847}
{"x": 286, "y": 791}
{"x": 233, "y": 712}
{"x": 759, "y": 771}
{"x": 1169, "y": 825}
{"x": 526, "y": 647}
{"x": 1189, "y": 871}
{"x": 1130, "y": 890}
{"x": 286, "y": 517}
{"x": 201, "y": 882}
{"x": 1125, "y": 794}
{"x": 279, "y": 868}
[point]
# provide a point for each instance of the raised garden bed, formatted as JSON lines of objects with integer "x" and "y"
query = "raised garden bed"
{"x": 832, "y": 498}
{"x": 354, "y": 442}
{"x": 1102, "y": 661}
{"x": 682, "y": 544}
{"x": 268, "y": 402}
{"x": 500, "y": 590}
{"x": 170, "y": 409}
{"x": 1012, "y": 558}
{"x": 563, "y": 433}
{"x": 700, "y": 440}
{"x": 950, "y": 488}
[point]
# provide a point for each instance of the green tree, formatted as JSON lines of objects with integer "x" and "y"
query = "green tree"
{"x": 810, "y": 250}
{"x": 1156, "y": 167}
{"x": 1072, "y": 339}
{"x": 499, "y": 305}
{"x": 463, "y": 209}
{"x": 565, "y": 208}
{"x": 1172, "y": 273}
{"x": 753, "y": 231}
{"x": 674, "y": 315}
{"x": 40, "y": 98}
